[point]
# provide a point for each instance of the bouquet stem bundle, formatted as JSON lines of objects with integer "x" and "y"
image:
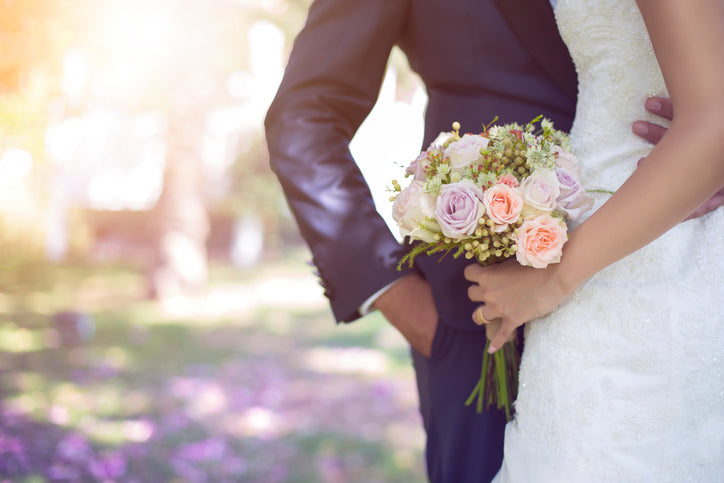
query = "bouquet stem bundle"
{"x": 498, "y": 384}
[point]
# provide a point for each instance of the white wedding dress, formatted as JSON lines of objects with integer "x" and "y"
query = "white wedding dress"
{"x": 625, "y": 381}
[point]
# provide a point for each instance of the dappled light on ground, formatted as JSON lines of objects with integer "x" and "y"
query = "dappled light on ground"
{"x": 267, "y": 390}
{"x": 295, "y": 290}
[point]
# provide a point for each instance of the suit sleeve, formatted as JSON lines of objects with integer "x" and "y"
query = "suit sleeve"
{"x": 330, "y": 85}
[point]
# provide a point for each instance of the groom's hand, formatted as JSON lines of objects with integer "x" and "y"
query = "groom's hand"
{"x": 653, "y": 133}
{"x": 409, "y": 306}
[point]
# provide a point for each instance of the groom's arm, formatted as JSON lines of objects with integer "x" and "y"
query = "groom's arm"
{"x": 330, "y": 85}
{"x": 654, "y": 132}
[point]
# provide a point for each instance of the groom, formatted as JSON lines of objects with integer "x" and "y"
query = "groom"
{"x": 478, "y": 59}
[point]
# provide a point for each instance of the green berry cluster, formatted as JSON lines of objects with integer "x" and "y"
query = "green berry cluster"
{"x": 487, "y": 246}
{"x": 510, "y": 157}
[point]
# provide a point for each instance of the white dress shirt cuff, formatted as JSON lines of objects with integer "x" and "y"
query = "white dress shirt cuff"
{"x": 367, "y": 306}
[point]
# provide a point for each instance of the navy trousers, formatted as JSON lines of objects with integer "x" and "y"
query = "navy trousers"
{"x": 463, "y": 446}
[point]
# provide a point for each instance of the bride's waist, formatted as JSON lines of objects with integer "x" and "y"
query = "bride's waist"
{"x": 607, "y": 166}
{"x": 690, "y": 250}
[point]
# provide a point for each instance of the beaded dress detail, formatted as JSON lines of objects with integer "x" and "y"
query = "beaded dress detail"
{"x": 625, "y": 381}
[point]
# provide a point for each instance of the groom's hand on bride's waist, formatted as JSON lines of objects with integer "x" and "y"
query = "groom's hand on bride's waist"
{"x": 409, "y": 306}
{"x": 653, "y": 133}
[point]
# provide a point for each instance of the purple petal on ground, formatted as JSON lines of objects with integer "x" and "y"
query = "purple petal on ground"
{"x": 109, "y": 466}
{"x": 75, "y": 448}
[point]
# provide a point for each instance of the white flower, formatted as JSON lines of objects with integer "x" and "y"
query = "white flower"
{"x": 539, "y": 156}
{"x": 455, "y": 177}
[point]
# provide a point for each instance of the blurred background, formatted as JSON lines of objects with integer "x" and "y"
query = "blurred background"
{"x": 158, "y": 317}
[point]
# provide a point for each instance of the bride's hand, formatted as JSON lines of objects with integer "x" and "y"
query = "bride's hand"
{"x": 492, "y": 329}
{"x": 514, "y": 294}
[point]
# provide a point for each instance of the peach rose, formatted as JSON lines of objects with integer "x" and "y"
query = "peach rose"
{"x": 503, "y": 205}
{"x": 509, "y": 180}
{"x": 540, "y": 241}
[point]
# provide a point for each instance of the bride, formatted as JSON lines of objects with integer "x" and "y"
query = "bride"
{"x": 622, "y": 377}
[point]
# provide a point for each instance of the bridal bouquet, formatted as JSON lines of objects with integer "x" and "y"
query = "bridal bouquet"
{"x": 503, "y": 193}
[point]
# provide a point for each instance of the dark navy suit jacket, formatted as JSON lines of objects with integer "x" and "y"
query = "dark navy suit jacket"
{"x": 477, "y": 58}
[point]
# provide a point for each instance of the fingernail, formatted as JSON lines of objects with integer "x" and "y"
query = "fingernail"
{"x": 640, "y": 128}
{"x": 492, "y": 349}
{"x": 653, "y": 105}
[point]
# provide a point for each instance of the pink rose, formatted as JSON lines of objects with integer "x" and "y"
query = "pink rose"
{"x": 540, "y": 241}
{"x": 410, "y": 208}
{"x": 509, "y": 180}
{"x": 573, "y": 200}
{"x": 418, "y": 168}
{"x": 465, "y": 151}
{"x": 458, "y": 209}
{"x": 540, "y": 192}
{"x": 502, "y": 204}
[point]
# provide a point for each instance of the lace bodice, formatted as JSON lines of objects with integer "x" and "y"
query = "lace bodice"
{"x": 617, "y": 71}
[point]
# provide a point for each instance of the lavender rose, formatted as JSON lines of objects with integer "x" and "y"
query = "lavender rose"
{"x": 567, "y": 161}
{"x": 411, "y": 208}
{"x": 573, "y": 200}
{"x": 465, "y": 151}
{"x": 418, "y": 168}
{"x": 458, "y": 209}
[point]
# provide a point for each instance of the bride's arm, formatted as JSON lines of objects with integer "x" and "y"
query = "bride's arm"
{"x": 687, "y": 39}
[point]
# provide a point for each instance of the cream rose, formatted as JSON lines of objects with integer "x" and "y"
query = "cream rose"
{"x": 441, "y": 139}
{"x": 465, "y": 151}
{"x": 540, "y": 241}
{"x": 410, "y": 208}
{"x": 540, "y": 191}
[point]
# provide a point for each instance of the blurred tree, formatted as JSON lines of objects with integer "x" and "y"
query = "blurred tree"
{"x": 182, "y": 54}
{"x": 215, "y": 45}
{"x": 34, "y": 35}
{"x": 173, "y": 56}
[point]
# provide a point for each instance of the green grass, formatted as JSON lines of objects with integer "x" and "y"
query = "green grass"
{"x": 249, "y": 381}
